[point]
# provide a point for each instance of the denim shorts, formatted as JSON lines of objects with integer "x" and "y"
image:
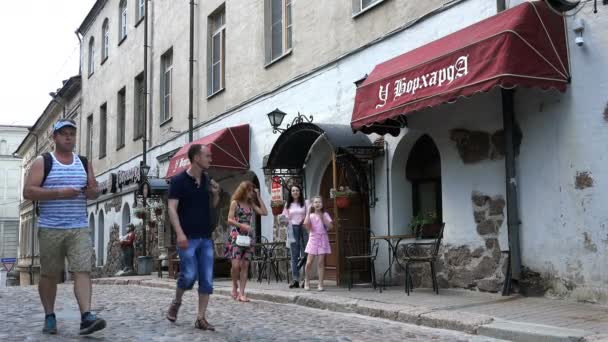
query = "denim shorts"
{"x": 196, "y": 263}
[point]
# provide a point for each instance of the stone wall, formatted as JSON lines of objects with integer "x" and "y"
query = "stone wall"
{"x": 482, "y": 268}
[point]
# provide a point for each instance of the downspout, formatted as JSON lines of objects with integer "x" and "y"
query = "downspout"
{"x": 145, "y": 116}
{"x": 513, "y": 222}
{"x": 388, "y": 201}
{"x": 191, "y": 74}
{"x": 501, "y": 5}
{"x": 80, "y": 54}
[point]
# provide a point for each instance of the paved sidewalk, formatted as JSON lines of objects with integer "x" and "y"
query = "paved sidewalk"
{"x": 512, "y": 318}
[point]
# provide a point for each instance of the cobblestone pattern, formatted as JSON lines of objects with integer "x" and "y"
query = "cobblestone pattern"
{"x": 137, "y": 314}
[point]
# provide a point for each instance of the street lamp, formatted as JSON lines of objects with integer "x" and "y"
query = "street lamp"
{"x": 276, "y": 119}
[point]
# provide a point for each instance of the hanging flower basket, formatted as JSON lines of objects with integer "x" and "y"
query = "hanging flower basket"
{"x": 140, "y": 214}
{"x": 342, "y": 201}
{"x": 158, "y": 211}
{"x": 277, "y": 207}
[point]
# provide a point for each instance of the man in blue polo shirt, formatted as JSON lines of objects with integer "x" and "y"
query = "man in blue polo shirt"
{"x": 192, "y": 196}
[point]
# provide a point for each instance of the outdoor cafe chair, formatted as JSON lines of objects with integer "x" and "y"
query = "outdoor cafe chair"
{"x": 422, "y": 253}
{"x": 362, "y": 253}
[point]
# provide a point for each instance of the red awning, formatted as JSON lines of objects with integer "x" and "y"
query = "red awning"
{"x": 523, "y": 46}
{"x": 229, "y": 148}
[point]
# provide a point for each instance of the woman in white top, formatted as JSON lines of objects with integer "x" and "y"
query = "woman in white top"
{"x": 295, "y": 211}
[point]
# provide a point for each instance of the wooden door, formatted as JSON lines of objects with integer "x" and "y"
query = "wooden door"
{"x": 351, "y": 229}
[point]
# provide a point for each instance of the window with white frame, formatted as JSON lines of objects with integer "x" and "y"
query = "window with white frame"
{"x": 105, "y": 40}
{"x": 278, "y": 28}
{"x": 121, "y": 118}
{"x": 91, "y": 56}
{"x": 141, "y": 9}
{"x": 362, "y": 5}
{"x": 166, "y": 84}
{"x": 216, "y": 51}
{"x": 140, "y": 97}
{"x": 122, "y": 22}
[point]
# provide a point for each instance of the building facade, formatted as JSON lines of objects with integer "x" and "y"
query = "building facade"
{"x": 10, "y": 185}
{"x": 308, "y": 58}
{"x": 38, "y": 140}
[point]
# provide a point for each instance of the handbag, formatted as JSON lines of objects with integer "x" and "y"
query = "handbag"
{"x": 243, "y": 240}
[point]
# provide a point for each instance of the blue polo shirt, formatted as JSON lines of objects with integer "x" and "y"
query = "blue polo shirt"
{"x": 193, "y": 207}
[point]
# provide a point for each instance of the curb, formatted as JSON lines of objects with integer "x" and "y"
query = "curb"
{"x": 475, "y": 324}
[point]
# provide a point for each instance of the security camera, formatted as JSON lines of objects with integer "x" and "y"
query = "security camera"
{"x": 579, "y": 41}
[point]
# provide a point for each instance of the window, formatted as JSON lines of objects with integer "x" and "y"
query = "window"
{"x": 140, "y": 98}
{"x": 122, "y": 25}
{"x": 91, "y": 56}
{"x": 103, "y": 123}
{"x": 141, "y": 9}
{"x": 120, "y": 119}
{"x": 166, "y": 83}
{"x": 278, "y": 28}
{"x": 89, "y": 149}
{"x": 105, "y": 41}
{"x": 359, "y": 6}
{"x": 3, "y": 147}
{"x": 215, "y": 61}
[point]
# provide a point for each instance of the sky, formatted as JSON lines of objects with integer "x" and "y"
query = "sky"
{"x": 39, "y": 50}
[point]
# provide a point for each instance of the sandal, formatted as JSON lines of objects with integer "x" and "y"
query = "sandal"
{"x": 243, "y": 299}
{"x": 202, "y": 324}
{"x": 173, "y": 310}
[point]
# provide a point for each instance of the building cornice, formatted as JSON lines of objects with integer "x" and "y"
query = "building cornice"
{"x": 91, "y": 16}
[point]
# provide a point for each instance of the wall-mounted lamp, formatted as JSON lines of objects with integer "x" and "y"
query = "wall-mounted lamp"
{"x": 276, "y": 118}
{"x": 579, "y": 27}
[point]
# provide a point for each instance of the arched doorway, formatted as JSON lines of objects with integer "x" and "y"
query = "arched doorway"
{"x": 92, "y": 228}
{"x": 423, "y": 170}
{"x": 100, "y": 239}
{"x": 351, "y": 233}
{"x": 126, "y": 219}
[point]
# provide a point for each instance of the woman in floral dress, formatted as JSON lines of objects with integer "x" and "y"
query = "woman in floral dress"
{"x": 244, "y": 202}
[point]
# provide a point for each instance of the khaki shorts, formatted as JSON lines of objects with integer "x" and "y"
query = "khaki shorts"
{"x": 57, "y": 244}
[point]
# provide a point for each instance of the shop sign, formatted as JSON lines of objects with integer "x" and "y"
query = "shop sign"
{"x": 276, "y": 190}
{"x": 131, "y": 175}
{"x": 108, "y": 185}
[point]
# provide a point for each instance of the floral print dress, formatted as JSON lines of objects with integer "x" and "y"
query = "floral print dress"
{"x": 234, "y": 251}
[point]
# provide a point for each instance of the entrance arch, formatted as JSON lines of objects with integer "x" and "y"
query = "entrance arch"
{"x": 92, "y": 228}
{"x": 100, "y": 239}
{"x": 126, "y": 219}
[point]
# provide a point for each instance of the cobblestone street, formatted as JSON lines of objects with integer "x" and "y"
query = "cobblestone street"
{"x": 137, "y": 314}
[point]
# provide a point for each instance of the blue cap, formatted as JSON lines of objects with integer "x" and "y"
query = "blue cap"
{"x": 63, "y": 123}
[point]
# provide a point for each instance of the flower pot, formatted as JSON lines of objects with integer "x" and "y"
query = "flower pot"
{"x": 158, "y": 211}
{"x": 430, "y": 230}
{"x": 342, "y": 202}
{"x": 140, "y": 214}
{"x": 276, "y": 211}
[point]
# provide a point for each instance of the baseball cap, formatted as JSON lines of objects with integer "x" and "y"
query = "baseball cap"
{"x": 63, "y": 123}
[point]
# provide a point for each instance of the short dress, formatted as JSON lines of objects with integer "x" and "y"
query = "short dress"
{"x": 234, "y": 251}
{"x": 318, "y": 240}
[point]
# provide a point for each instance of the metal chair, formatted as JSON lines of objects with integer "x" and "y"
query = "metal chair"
{"x": 280, "y": 254}
{"x": 368, "y": 253}
{"x": 421, "y": 253}
{"x": 260, "y": 259}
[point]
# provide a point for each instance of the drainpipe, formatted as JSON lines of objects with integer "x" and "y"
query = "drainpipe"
{"x": 191, "y": 74}
{"x": 80, "y": 54}
{"x": 513, "y": 222}
{"x": 145, "y": 116}
{"x": 388, "y": 201}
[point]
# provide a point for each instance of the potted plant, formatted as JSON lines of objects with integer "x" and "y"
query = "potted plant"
{"x": 425, "y": 225}
{"x": 342, "y": 197}
{"x": 277, "y": 207}
{"x": 140, "y": 213}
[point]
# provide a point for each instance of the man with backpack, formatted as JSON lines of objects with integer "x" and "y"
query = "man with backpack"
{"x": 61, "y": 182}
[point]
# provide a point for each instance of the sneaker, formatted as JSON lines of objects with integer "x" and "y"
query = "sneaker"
{"x": 294, "y": 284}
{"x": 91, "y": 323}
{"x": 173, "y": 310}
{"x": 50, "y": 324}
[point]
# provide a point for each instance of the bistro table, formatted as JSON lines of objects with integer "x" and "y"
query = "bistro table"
{"x": 393, "y": 242}
{"x": 267, "y": 251}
